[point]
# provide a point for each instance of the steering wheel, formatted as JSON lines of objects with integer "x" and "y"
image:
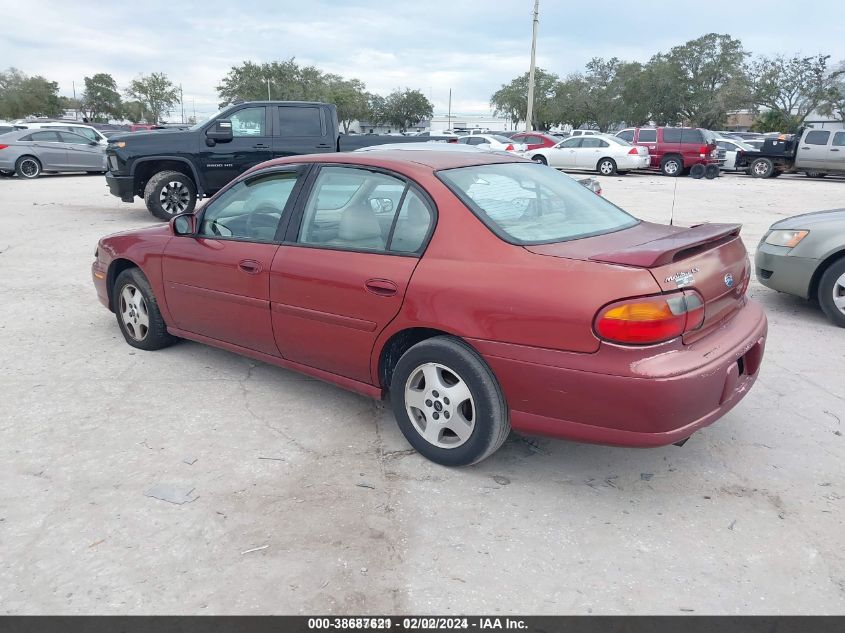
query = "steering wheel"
{"x": 263, "y": 217}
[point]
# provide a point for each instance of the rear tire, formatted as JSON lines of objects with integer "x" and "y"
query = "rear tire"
{"x": 606, "y": 167}
{"x": 5, "y": 173}
{"x": 447, "y": 402}
{"x": 762, "y": 168}
{"x": 671, "y": 166}
{"x": 28, "y": 167}
{"x": 169, "y": 193}
{"x": 540, "y": 159}
{"x": 137, "y": 312}
{"x": 831, "y": 292}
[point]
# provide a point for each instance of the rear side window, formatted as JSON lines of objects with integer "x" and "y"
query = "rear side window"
{"x": 647, "y": 136}
{"x": 50, "y": 137}
{"x": 839, "y": 139}
{"x": 524, "y": 203}
{"x": 682, "y": 135}
{"x": 817, "y": 137}
{"x": 300, "y": 121}
{"x": 626, "y": 135}
{"x": 593, "y": 141}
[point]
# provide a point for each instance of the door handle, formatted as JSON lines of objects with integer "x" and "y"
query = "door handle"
{"x": 260, "y": 146}
{"x": 833, "y": 149}
{"x": 324, "y": 145}
{"x": 250, "y": 266}
{"x": 805, "y": 147}
{"x": 381, "y": 287}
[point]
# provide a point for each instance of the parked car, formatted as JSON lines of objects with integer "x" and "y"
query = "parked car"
{"x": 536, "y": 140}
{"x": 732, "y": 149}
{"x": 606, "y": 155}
{"x": 145, "y": 127}
{"x": 29, "y": 153}
{"x": 491, "y": 293}
{"x": 805, "y": 256}
{"x": 89, "y": 132}
{"x": 586, "y": 133}
{"x": 674, "y": 150}
{"x": 494, "y": 142}
{"x": 817, "y": 153}
{"x": 740, "y": 135}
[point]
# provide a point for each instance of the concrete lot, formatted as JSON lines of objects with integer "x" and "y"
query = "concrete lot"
{"x": 746, "y": 518}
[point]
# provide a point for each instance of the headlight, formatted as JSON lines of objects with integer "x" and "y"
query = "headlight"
{"x": 786, "y": 238}
{"x": 117, "y": 144}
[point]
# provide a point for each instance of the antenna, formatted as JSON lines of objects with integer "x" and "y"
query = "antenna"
{"x": 674, "y": 194}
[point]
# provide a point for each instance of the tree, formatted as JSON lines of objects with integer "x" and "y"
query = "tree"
{"x": 792, "y": 86}
{"x": 835, "y": 104}
{"x": 512, "y": 99}
{"x": 101, "y": 98}
{"x": 134, "y": 111}
{"x": 351, "y": 100}
{"x": 376, "y": 112}
{"x": 602, "y": 102}
{"x": 406, "y": 108}
{"x": 775, "y": 121}
{"x": 156, "y": 93}
{"x": 21, "y": 95}
{"x": 568, "y": 105}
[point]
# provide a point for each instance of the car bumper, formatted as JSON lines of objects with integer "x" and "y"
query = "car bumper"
{"x": 99, "y": 274}
{"x": 633, "y": 162}
{"x": 121, "y": 186}
{"x": 778, "y": 270}
{"x": 630, "y": 396}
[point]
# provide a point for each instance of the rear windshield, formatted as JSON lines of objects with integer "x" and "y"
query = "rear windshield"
{"x": 500, "y": 139}
{"x": 528, "y": 203}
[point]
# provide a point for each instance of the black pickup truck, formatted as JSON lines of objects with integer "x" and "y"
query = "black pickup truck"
{"x": 171, "y": 169}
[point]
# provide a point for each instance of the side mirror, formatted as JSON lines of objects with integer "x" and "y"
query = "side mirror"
{"x": 219, "y": 132}
{"x": 183, "y": 224}
{"x": 381, "y": 205}
{"x": 93, "y": 143}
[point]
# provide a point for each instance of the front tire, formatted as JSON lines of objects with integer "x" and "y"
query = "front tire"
{"x": 671, "y": 166}
{"x": 137, "y": 312}
{"x": 169, "y": 193}
{"x": 28, "y": 167}
{"x": 831, "y": 292}
{"x": 447, "y": 402}
{"x": 762, "y": 168}
{"x": 540, "y": 159}
{"x": 606, "y": 167}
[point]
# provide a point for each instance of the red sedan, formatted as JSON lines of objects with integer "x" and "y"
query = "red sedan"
{"x": 482, "y": 292}
{"x": 536, "y": 140}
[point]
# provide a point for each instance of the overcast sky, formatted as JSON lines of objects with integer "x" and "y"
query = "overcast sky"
{"x": 470, "y": 46}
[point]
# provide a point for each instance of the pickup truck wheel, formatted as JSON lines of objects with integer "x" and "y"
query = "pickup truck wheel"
{"x": 448, "y": 403}
{"x": 762, "y": 168}
{"x": 671, "y": 166}
{"x": 170, "y": 193}
{"x": 832, "y": 292}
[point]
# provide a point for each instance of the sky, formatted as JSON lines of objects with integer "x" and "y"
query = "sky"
{"x": 469, "y": 46}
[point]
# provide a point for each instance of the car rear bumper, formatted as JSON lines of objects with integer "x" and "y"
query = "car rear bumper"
{"x": 121, "y": 186}
{"x": 779, "y": 271}
{"x": 650, "y": 396}
{"x": 633, "y": 162}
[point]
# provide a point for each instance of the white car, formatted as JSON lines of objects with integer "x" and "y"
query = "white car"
{"x": 586, "y": 133}
{"x": 87, "y": 131}
{"x": 732, "y": 147}
{"x": 604, "y": 154}
{"x": 493, "y": 142}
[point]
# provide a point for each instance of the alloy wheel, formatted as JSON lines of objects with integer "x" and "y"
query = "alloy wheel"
{"x": 606, "y": 168}
{"x": 174, "y": 197}
{"x": 440, "y": 405}
{"x": 671, "y": 168}
{"x": 134, "y": 313}
{"x": 839, "y": 293}
{"x": 29, "y": 168}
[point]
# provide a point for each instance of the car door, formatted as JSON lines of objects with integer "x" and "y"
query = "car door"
{"x": 647, "y": 137}
{"x": 592, "y": 148}
{"x": 836, "y": 153}
{"x": 813, "y": 149}
{"x": 251, "y": 144}
{"x": 217, "y": 281}
{"x": 564, "y": 155}
{"x": 81, "y": 154}
{"x": 48, "y": 147}
{"x": 301, "y": 129}
{"x": 340, "y": 276}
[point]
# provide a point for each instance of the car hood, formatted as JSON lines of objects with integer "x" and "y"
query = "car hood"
{"x": 806, "y": 220}
{"x": 149, "y": 231}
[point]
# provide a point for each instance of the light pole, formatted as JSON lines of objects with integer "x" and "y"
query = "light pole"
{"x": 530, "y": 113}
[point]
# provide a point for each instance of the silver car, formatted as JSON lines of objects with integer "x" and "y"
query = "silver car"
{"x": 805, "y": 256}
{"x": 29, "y": 153}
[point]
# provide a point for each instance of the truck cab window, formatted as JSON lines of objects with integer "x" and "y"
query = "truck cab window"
{"x": 248, "y": 122}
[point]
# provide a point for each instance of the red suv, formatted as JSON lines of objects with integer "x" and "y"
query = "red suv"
{"x": 536, "y": 140}
{"x": 674, "y": 150}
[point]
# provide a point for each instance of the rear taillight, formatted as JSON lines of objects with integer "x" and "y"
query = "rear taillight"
{"x": 509, "y": 148}
{"x": 633, "y": 151}
{"x": 653, "y": 319}
{"x": 3, "y": 146}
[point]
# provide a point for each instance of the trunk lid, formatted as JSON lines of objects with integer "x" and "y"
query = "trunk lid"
{"x": 709, "y": 258}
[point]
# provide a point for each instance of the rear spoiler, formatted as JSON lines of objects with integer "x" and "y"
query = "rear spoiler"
{"x": 672, "y": 248}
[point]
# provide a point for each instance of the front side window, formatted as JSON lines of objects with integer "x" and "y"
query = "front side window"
{"x": 248, "y": 122}
{"x": 76, "y": 139}
{"x": 357, "y": 209}
{"x": 817, "y": 137}
{"x": 530, "y": 204}
{"x": 647, "y": 136}
{"x": 250, "y": 210}
{"x": 88, "y": 133}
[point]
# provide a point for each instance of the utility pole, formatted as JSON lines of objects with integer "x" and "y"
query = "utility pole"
{"x": 182, "y": 102}
{"x": 530, "y": 114}
{"x": 268, "y": 89}
{"x": 449, "y": 115}
{"x": 75, "y": 105}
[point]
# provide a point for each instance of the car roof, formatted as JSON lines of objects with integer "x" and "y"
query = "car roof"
{"x": 397, "y": 159}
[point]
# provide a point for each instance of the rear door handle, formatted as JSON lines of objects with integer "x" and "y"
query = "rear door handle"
{"x": 250, "y": 266}
{"x": 324, "y": 145}
{"x": 261, "y": 146}
{"x": 381, "y": 287}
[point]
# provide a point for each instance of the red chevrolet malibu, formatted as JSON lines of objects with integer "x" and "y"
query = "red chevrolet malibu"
{"x": 481, "y": 291}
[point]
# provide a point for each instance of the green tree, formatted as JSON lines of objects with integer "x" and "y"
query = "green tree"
{"x": 134, "y": 111}
{"x": 406, "y": 108}
{"x": 21, "y": 95}
{"x": 376, "y": 112}
{"x": 569, "y": 103}
{"x": 351, "y": 99}
{"x": 101, "y": 98}
{"x": 512, "y": 99}
{"x": 156, "y": 93}
{"x": 775, "y": 121}
{"x": 792, "y": 86}
{"x": 634, "y": 109}
{"x": 834, "y": 105}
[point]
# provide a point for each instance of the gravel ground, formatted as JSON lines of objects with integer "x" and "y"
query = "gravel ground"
{"x": 745, "y": 518}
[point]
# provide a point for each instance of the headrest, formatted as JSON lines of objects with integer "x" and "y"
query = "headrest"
{"x": 358, "y": 223}
{"x": 417, "y": 211}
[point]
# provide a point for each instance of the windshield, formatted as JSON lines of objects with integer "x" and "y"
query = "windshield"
{"x": 501, "y": 139}
{"x": 527, "y": 203}
{"x": 203, "y": 120}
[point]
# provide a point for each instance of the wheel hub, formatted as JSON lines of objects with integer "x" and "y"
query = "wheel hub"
{"x": 440, "y": 405}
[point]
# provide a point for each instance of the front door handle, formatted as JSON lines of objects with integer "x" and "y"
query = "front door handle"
{"x": 381, "y": 287}
{"x": 260, "y": 146}
{"x": 250, "y": 266}
{"x": 833, "y": 149}
{"x": 324, "y": 145}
